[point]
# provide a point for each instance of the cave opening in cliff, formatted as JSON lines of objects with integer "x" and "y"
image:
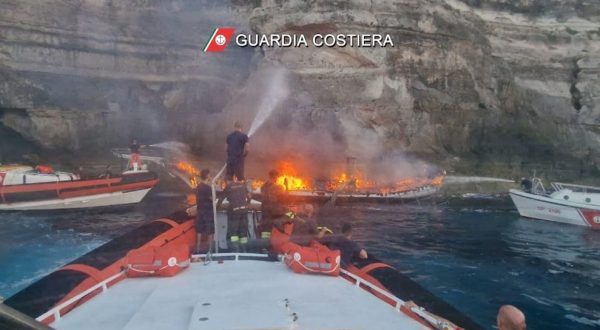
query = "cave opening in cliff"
{"x": 14, "y": 147}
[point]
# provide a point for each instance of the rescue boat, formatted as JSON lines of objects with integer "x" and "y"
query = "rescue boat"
{"x": 42, "y": 188}
{"x": 566, "y": 203}
{"x": 148, "y": 279}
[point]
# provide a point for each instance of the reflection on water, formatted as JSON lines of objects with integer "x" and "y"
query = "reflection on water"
{"x": 480, "y": 258}
{"x": 475, "y": 257}
{"x": 34, "y": 244}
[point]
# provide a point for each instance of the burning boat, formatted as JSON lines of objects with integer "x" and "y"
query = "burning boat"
{"x": 351, "y": 185}
{"x": 42, "y": 188}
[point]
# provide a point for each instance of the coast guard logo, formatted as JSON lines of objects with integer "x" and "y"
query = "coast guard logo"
{"x": 596, "y": 219}
{"x": 219, "y": 39}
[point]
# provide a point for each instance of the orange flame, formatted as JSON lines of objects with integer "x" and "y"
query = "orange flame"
{"x": 291, "y": 179}
{"x": 191, "y": 170}
{"x": 256, "y": 184}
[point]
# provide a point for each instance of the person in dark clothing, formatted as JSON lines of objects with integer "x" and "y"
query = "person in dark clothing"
{"x": 271, "y": 203}
{"x": 107, "y": 173}
{"x": 526, "y": 185}
{"x": 349, "y": 249}
{"x": 304, "y": 229}
{"x": 205, "y": 224}
{"x": 237, "y": 149}
{"x": 238, "y": 196}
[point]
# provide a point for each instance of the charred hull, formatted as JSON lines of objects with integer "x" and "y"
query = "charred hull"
{"x": 316, "y": 196}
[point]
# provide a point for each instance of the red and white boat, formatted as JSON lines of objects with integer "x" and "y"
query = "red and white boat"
{"x": 41, "y": 188}
{"x": 146, "y": 279}
{"x": 568, "y": 203}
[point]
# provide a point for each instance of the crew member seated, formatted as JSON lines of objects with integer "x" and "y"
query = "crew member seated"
{"x": 348, "y": 248}
{"x": 107, "y": 173}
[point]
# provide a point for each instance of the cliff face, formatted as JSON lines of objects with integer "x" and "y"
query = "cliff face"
{"x": 88, "y": 74}
{"x": 489, "y": 82}
{"x": 469, "y": 83}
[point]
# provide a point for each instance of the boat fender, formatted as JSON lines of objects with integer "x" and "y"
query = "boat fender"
{"x": 313, "y": 259}
{"x": 158, "y": 260}
{"x": 88, "y": 270}
{"x": 279, "y": 238}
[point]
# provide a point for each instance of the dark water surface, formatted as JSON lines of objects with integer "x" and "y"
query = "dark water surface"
{"x": 480, "y": 258}
{"x": 475, "y": 256}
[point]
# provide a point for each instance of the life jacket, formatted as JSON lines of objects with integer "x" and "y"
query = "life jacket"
{"x": 158, "y": 260}
{"x": 314, "y": 259}
{"x": 44, "y": 169}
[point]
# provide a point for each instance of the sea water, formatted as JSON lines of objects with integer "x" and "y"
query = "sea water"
{"x": 476, "y": 256}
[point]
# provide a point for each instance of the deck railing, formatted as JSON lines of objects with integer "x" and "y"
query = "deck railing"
{"x": 398, "y": 303}
{"x": 55, "y": 311}
{"x": 575, "y": 187}
{"x": 420, "y": 311}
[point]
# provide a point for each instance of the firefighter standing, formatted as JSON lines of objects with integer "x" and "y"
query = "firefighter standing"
{"x": 238, "y": 196}
{"x": 237, "y": 149}
{"x": 271, "y": 207}
{"x": 135, "y": 162}
{"x": 204, "y": 204}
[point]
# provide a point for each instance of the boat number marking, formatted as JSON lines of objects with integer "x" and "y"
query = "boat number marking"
{"x": 548, "y": 209}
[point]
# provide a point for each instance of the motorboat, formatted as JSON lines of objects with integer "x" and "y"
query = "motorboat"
{"x": 108, "y": 288}
{"x": 42, "y": 188}
{"x": 565, "y": 203}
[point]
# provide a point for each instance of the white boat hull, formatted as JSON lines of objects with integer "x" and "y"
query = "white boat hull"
{"x": 546, "y": 208}
{"x": 99, "y": 200}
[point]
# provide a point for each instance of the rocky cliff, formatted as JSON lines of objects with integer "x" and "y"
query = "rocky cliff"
{"x": 469, "y": 84}
{"x": 489, "y": 84}
{"x": 90, "y": 74}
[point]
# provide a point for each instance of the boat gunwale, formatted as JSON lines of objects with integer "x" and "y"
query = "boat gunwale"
{"x": 416, "y": 313}
{"x": 548, "y": 199}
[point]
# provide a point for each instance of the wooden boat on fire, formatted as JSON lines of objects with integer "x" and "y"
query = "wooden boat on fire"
{"x": 42, "y": 188}
{"x": 252, "y": 290}
{"x": 414, "y": 193}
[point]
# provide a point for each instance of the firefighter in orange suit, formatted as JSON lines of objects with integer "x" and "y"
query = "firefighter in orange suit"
{"x": 135, "y": 162}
